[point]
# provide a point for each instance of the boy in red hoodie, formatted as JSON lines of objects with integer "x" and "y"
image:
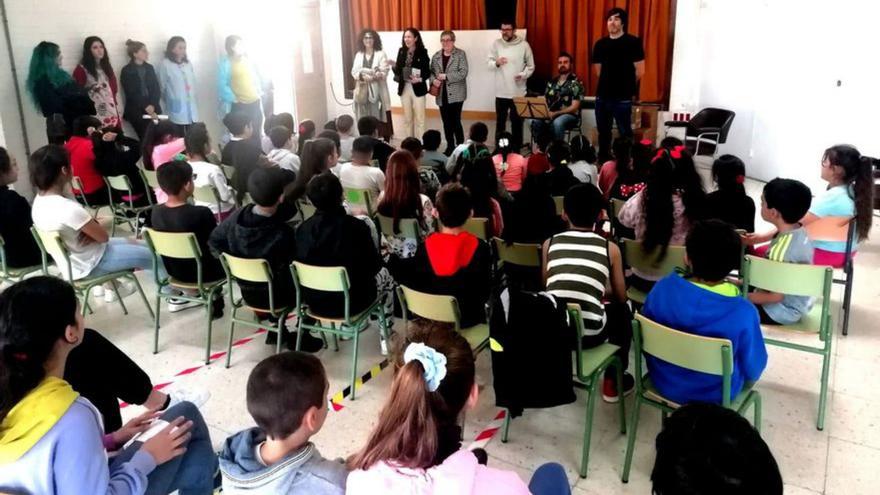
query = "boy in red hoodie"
{"x": 451, "y": 262}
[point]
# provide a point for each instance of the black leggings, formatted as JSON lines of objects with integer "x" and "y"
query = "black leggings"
{"x": 452, "y": 130}
{"x": 617, "y": 331}
{"x": 103, "y": 374}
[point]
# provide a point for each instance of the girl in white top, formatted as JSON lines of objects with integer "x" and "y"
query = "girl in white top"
{"x": 205, "y": 173}
{"x": 92, "y": 251}
{"x": 370, "y": 71}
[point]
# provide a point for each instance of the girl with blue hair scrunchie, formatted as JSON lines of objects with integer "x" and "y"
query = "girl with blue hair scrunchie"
{"x": 415, "y": 447}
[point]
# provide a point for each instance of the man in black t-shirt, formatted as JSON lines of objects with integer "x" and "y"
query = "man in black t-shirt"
{"x": 619, "y": 62}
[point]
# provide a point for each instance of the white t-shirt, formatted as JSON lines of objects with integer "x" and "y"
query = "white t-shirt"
{"x": 65, "y": 216}
{"x": 284, "y": 158}
{"x": 585, "y": 172}
{"x": 345, "y": 143}
{"x": 362, "y": 177}
{"x": 208, "y": 174}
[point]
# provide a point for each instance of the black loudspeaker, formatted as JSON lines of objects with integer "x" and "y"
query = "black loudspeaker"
{"x": 498, "y": 10}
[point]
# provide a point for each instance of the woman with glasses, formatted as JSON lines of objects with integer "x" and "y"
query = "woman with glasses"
{"x": 370, "y": 71}
{"x": 449, "y": 70}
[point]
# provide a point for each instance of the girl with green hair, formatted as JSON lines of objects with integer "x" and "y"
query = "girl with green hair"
{"x": 55, "y": 93}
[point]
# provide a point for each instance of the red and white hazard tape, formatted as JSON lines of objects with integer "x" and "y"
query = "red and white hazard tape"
{"x": 484, "y": 437}
{"x": 201, "y": 364}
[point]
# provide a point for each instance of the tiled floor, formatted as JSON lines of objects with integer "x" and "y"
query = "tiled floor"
{"x": 842, "y": 459}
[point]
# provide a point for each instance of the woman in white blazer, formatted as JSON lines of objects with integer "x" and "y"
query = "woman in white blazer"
{"x": 370, "y": 72}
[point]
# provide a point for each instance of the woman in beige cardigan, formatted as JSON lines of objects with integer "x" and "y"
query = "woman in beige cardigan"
{"x": 370, "y": 71}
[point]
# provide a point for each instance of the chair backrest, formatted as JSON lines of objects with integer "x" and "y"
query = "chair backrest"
{"x": 4, "y": 271}
{"x": 307, "y": 210}
{"x": 360, "y": 197}
{"x": 651, "y": 263}
{"x": 708, "y": 355}
{"x": 255, "y": 270}
{"x": 324, "y": 278}
{"x": 434, "y": 307}
{"x": 180, "y": 245}
{"x": 615, "y": 205}
{"x": 76, "y": 187}
{"x": 50, "y": 243}
{"x": 478, "y": 227}
{"x": 409, "y": 227}
{"x": 559, "y": 201}
{"x": 713, "y": 117}
{"x": 207, "y": 194}
{"x": 247, "y": 199}
{"x": 150, "y": 178}
{"x": 787, "y": 278}
{"x": 518, "y": 253}
{"x": 228, "y": 171}
{"x": 119, "y": 183}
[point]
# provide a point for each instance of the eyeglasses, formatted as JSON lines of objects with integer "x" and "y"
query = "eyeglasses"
{"x": 446, "y": 40}
{"x": 368, "y": 37}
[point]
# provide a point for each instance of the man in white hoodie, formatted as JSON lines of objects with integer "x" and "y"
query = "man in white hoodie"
{"x": 512, "y": 60}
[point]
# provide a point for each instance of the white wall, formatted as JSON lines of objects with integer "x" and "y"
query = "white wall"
{"x": 271, "y": 39}
{"x": 776, "y": 63}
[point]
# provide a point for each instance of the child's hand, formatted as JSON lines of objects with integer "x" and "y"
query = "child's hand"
{"x": 170, "y": 442}
{"x": 134, "y": 426}
{"x": 751, "y": 239}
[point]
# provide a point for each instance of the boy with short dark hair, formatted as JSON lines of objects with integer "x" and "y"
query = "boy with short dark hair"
{"x": 430, "y": 183}
{"x": 579, "y": 266}
{"x": 286, "y": 396}
{"x": 478, "y": 133}
{"x": 784, "y": 203}
{"x": 259, "y": 230}
{"x": 706, "y": 304}
{"x": 359, "y": 173}
{"x": 333, "y": 238}
{"x": 177, "y": 215}
{"x": 431, "y": 157}
{"x": 452, "y": 261}
{"x": 241, "y": 152}
{"x": 369, "y": 126}
{"x": 706, "y": 448}
{"x": 281, "y": 154}
{"x": 344, "y": 125}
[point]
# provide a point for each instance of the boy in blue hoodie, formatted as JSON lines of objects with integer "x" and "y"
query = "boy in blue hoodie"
{"x": 706, "y": 304}
{"x": 286, "y": 396}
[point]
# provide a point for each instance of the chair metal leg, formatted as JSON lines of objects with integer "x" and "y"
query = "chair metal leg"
{"x": 335, "y": 338}
{"x": 847, "y": 301}
{"x": 231, "y": 335}
{"x": 84, "y": 304}
{"x": 208, "y": 313}
{"x": 156, "y": 326}
{"x": 621, "y": 399}
{"x": 354, "y": 363}
{"x": 300, "y": 330}
{"x": 118, "y": 297}
{"x": 588, "y": 424}
{"x": 140, "y": 290}
{"x": 506, "y": 427}
{"x": 756, "y": 404}
{"x": 280, "y": 330}
{"x": 823, "y": 390}
{"x": 631, "y": 440}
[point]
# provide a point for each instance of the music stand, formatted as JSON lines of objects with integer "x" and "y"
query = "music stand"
{"x": 532, "y": 107}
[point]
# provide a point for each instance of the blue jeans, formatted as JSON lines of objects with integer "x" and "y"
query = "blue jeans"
{"x": 560, "y": 124}
{"x": 125, "y": 254}
{"x": 191, "y": 473}
{"x": 607, "y": 112}
{"x": 549, "y": 479}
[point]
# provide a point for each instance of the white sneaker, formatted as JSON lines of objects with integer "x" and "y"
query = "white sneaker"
{"x": 198, "y": 397}
{"x": 98, "y": 291}
{"x": 175, "y": 305}
{"x": 125, "y": 289}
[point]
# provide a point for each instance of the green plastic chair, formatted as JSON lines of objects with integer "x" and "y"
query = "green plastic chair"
{"x": 590, "y": 366}
{"x": 614, "y": 207}
{"x": 76, "y": 187}
{"x": 208, "y": 194}
{"x": 150, "y": 179}
{"x": 558, "y": 201}
{"x": 182, "y": 245}
{"x": 306, "y": 210}
{"x": 635, "y": 257}
{"x": 13, "y": 275}
{"x": 517, "y": 253}
{"x": 334, "y": 279}
{"x": 228, "y": 172}
{"x": 407, "y": 227}
{"x": 123, "y": 209}
{"x": 252, "y": 270}
{"x": 799, "y": 280}
{"x": 51, "y": 244}
{"x": 361, "y": 198}
{"x": 443, "y": 309}
{"x": 693, "y": 352}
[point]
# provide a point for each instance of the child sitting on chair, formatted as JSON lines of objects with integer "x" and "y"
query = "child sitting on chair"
{"x": 286, "y": 397}
{"x": 706, "y": 304}
{"x": 784, "y": 203}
